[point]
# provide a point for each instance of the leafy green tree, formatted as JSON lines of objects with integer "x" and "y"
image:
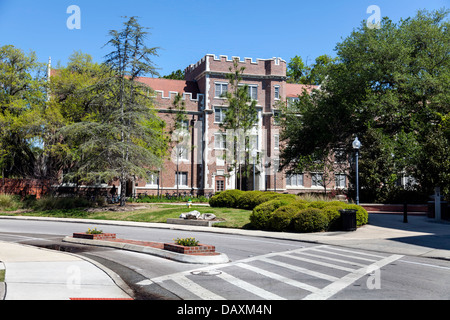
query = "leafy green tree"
{"x": 389, "y": 87}
{"x": 124, "y": 137}
{"x": 71, "y": 101}
{"x": 22, "y": 97}
{"x": 299, "y": 72}
{"x": 175, "y": 75}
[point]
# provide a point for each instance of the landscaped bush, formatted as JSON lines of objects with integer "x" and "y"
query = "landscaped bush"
{"x": 280, "y": 219}
{"x": 310, "y": 220}
{"x": 300, "y": 204}
{"x": 9, "y": 202}
{"x": 53, "y": 203}
{"x": 260, "y": 216}
{"x": 334, "y": 216}
{"x": 226, "y": 199}
{"x": 318, "y": 204}
{"x": 362, "y": 217}
{"x": 249, "y": 200}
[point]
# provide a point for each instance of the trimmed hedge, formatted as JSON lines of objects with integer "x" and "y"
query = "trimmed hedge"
{"x": 228, "y": 199}
{"x": 280, "y": 219}
{"x": 260, "y": 216}
{"x": 310, "y": 220}
{"x": 287, "y": 212}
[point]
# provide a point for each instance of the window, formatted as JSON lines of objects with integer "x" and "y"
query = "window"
{"x": 277, "y": 93}
{"x": 294, "y": 180}
{"x": 184, "y": 125}
{"x": 253, "y": 92}
{"x": 219, "y": 114}
{"x": 152, "y": 179}
{"x": 221, "y": 90}
{"x": 340, "y": 156}
{"x": 317, "y": 180}
{"x": 181, "y": 179}
{"x": 220, "y": 141}
{"x": 276, "y": 141}
{"x": 182, "y": 152}
{"x": 276, "y": 118}
{"x": 219, "y": 185}
{"x": 340, "y": 180}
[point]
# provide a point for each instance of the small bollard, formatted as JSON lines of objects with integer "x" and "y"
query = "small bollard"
{"x": 189, "y": 203}
{"x": 405, "y": 212}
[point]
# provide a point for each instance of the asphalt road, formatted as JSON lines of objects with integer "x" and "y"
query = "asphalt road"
{"x": 260, "y": 268}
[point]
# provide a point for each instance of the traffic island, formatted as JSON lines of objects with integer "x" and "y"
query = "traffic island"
{"x": 200, "y": 254}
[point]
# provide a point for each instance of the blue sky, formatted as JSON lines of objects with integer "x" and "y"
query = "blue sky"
{"x": 187, "y": 30}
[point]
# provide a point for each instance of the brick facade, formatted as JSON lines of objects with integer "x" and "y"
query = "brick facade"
{"x": 204, "y": 169}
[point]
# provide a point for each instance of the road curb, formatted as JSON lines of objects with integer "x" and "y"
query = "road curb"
{"x": 194, "y": 259}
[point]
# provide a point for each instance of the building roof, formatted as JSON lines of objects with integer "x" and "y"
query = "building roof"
{"x": 293, "y": 90}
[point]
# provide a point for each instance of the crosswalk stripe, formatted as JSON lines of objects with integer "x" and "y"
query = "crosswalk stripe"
{"x": 278, "y": 277}
{"x": 347, "y": 280}
{"x": 345, "y": 255}
{"x": 196, "y": 289}
{"x": 333, "y": 259}
{"x": 353, "y": 252}
{"x": 329, "y": 265}
{"x": 300, "y": 269}
{"x": 249, "y": 287}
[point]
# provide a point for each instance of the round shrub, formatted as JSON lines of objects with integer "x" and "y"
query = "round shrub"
{"x": 318, "y": 204}
{"x": 362, "y": 217}
{"x": 280, "y": 219}
{"x": 310, "y": 220}
{"x": 259, "y": 218}
{"x": 248, "y": 200}
{"x": 300, "y": 204}
{"x": 226, "y": 199}
{"x": 334, "y": 216}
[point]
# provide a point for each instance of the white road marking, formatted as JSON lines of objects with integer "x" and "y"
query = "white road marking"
{"x": 280, "y": 278}
{"x": 250, "y": 287}
{"x": 329, "y": 265}
{"x": 300, "y": 269}
{"x": 347, "y": 280}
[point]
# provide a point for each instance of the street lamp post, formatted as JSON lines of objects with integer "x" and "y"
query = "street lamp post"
{"x": 356, "y": 147}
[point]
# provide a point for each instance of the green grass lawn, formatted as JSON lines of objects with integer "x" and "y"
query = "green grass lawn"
{"x": 159, "y": 213}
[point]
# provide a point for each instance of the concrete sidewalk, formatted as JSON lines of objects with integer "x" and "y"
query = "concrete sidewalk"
{"x": 40, "y": 274}
{"x": 34, "y": 274}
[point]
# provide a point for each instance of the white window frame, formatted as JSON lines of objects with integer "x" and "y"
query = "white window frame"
{"x": 182, "y": 175}
{"x": 276, "y": 141}
{"x": 297, "y": 177}
{"x": 221, "y": 111}
{"x": 152, "y": 180}
{"x": 223, "y": 89}
{"x": 340, "y": 180}
{"x": 276, "y": 94}
{"x": 253, "y": 91}
{"x": 220, "y": 141}
{"x": 182, "y": 152}
{"x": 317, "y": 182}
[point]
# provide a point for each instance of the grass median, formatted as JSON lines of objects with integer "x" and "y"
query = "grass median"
{"x": 156, "y": 213}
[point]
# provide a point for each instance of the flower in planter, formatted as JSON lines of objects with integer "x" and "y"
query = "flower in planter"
{"x": 94, "y": 231}
{"x": 187, "y": 242}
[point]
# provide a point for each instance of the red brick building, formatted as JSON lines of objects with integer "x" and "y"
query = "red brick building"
{"x": 202, "y": 165}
